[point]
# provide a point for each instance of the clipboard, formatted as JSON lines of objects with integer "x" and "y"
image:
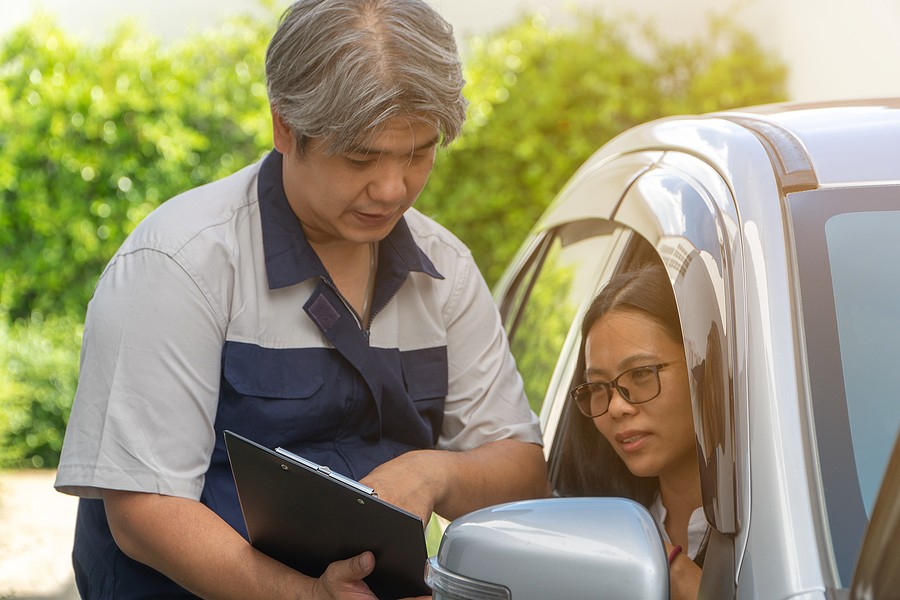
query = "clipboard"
{"x": 307, "y": 516}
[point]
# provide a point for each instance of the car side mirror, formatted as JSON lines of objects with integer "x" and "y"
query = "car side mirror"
{"x": 552, "y": 548}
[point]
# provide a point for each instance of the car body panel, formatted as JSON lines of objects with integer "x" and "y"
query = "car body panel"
{"x": 715, "y": 195}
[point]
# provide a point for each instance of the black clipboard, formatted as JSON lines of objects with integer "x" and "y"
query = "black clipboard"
{"x": 307, "y": 517}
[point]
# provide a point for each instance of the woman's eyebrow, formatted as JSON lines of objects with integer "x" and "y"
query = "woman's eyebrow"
{"x": 599, "y": 373}
{"x": 637, "y": 360}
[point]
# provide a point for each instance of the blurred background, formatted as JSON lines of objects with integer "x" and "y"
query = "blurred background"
{"x": 109, "y": 108}
{"x": 834, "y": 48}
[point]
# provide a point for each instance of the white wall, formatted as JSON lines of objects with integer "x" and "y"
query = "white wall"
{"x": 170, "y": 19}
{"x": 834, "y": 48}
{"x": 841, "y": 48}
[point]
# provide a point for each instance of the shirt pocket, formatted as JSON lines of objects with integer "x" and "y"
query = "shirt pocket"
{"x": 291, "y": 373}
{"x": 425, "y": 373}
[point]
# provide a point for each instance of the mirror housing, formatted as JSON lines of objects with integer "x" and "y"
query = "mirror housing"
{"x": 552, "y": 548}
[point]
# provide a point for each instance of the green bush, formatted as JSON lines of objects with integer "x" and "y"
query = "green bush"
{"x": 95, "y": 136}
{"x": 41, "y": 369}
{"x": 543, "y": 99}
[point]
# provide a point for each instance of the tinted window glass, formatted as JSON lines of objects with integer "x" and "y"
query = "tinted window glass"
{"x": 863, "y": 249}
{"x": 552, "y": 289}
{"x": 846, "y": 247}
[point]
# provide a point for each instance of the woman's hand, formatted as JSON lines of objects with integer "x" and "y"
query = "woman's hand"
{"x": 684, "y": 576}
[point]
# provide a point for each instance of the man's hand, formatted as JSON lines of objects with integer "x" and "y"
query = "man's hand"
{"x": 454, "y": 483}
{"x": 413, "y": 481}
{"x": 344, "y": 579}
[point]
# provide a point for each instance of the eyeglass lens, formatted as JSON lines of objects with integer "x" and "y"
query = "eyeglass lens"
{"x": 637, "y": 385}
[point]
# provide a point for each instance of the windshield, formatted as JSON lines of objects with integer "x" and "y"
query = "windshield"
{"x": 849, "y": 276}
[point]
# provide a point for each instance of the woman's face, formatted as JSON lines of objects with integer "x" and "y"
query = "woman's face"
{"x": 655, "y": 438}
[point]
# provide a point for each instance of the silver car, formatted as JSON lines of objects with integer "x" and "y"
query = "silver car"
{"x": 780, "y": 230}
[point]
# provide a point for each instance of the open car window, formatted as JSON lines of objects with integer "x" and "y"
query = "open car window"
{"x": 546, "y": 300}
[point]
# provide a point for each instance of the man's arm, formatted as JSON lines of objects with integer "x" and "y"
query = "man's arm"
{"x": 454, "y": 483}
{"x": 191, "y": 545}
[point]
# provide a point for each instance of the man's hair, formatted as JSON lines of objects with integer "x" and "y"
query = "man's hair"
{"x": 340, "y": 69}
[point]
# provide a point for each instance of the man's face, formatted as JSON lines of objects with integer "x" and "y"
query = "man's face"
{"x": 360, "y": 196}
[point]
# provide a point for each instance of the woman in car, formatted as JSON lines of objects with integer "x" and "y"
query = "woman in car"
{"x": 630, "y": 431}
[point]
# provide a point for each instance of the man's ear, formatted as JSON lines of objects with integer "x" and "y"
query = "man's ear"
{"x": 282, "y": 135}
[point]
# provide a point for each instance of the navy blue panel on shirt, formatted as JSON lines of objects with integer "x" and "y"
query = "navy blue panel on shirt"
{"x": 425, "y": 372}
{"x": 323, "y": 389}
{"x": 256, "y": 371}
{"x": 315, "y": 403}
{"x": 317, "y": 397}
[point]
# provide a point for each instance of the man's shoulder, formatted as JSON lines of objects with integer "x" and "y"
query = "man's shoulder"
{"x": 433, "y": 238}
{"x": 197, "y": 213}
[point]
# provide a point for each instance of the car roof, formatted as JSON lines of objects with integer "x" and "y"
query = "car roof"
{"x": 810, "y": 145}
{"x": 855, "y": 141}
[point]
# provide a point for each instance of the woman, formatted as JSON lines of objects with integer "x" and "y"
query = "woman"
{"x": 633, "y": 421}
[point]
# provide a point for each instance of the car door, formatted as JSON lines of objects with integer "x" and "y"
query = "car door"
{"x": 662, "y": 205}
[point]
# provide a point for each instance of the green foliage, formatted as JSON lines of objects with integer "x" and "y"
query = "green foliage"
{"x": 95, "y": 136}
{"x": 542, "y": 330}
{"x": 92, "y": 138}
{"x": 543, "y": 99}
{"x": 41, "y": 369}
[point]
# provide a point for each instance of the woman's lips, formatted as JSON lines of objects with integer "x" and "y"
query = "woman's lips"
{"x": 631, "y": 440}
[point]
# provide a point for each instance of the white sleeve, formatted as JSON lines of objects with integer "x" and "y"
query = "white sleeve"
{"x": 486, "y": 400}
{"x": 143, "y": 414}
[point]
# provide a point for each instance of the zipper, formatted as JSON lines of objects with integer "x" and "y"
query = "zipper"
{"x": 373, "y": 311}
{"x": 356, "y": 317}
{"x": 378, "y": 309}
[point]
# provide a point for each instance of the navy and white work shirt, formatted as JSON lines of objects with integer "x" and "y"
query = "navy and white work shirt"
{"x": 217, "y": 314}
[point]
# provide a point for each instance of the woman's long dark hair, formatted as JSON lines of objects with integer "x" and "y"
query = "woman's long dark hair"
{"x": 587, "y": 464}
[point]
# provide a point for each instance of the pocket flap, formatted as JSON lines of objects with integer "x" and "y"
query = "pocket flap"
{"x": 271, "y": 373}
{"x": 425, "y": 372}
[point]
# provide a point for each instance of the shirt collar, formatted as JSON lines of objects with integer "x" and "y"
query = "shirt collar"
{"x": 697, "y": 526}
{"x": 290, "y": 259}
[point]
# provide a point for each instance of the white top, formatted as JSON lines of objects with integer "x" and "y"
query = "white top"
{"x": 697, "y": 526}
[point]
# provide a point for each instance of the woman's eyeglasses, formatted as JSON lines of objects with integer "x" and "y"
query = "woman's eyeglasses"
{"x": 636, "y": 386}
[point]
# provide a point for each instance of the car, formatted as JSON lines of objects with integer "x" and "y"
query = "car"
{"x": 779, "y": 227}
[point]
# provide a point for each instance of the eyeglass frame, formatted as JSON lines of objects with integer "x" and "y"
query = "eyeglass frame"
{"x": 623, "y": 392}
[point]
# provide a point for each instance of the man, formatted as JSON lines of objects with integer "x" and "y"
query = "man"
{"x": 302, "y": 303}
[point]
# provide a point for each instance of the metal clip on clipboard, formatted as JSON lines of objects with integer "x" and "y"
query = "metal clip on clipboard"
{"x": 326, "y": 471}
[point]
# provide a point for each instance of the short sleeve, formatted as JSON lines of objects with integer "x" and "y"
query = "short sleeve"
{"x": 142, "y": 418}
{"x": 486, "y": 400}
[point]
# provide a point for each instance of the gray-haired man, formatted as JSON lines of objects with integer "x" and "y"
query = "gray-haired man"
{"x": 302, "y": 303}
